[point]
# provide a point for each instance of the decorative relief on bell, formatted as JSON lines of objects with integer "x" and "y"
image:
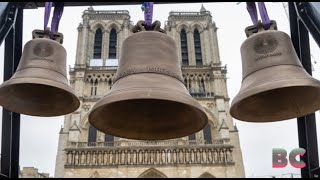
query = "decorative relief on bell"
{"x": 148, "y": 70}
{"x": 43, "y": 50}
{"x": 265, "y": 44}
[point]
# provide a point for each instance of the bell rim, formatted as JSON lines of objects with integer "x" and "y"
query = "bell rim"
{"x": 265, "y": 87}
{"x": 196, "y": 109}
{"x": 47, "y": 82}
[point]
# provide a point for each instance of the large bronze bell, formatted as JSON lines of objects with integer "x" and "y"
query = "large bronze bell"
{"x": 275, "y": 86}
{"x": 148, "y": 100}
{"x": 40, "y": 86}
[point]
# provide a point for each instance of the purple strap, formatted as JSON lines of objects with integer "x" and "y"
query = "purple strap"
{"x": 147, "y": 7}
{"x": 251, "y": 7}
{"x": 57, "y": 13}
{"x": 58, "y": 10}
{"x": 264, "y": 15}
{"x": 47, "y": 10}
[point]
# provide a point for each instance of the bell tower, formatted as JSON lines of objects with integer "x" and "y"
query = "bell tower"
{"x": 205, "y": 77}
{"x": 212, "y": 152}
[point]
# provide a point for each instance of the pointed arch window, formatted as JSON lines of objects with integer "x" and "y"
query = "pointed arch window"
{"x": 108, "y": 139}
{"x": 113, "y": 44}
{"x": 97, "y": 44}
{"x": 197, "y": 47}
{"x": 184, "y": 47}
{"x": 207, "y": 134}
{"x": 92, "y": 136}
{"x": 94, "y": 87}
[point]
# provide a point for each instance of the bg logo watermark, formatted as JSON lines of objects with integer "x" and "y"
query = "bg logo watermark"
{"x": 279, "y": 158}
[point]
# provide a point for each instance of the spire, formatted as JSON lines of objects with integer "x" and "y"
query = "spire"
{"x": 202, "y": 8}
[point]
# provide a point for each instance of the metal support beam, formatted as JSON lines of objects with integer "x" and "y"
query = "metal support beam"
{"x": 307, "y": 131}
{"x": 309, "y": 14}
{"x": 10, "y": 142}
{"x": 8, "y": 15}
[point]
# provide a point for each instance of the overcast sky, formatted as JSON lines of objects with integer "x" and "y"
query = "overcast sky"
{"x": 39, "y": 135}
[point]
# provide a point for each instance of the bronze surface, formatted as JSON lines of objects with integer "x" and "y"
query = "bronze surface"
{"x": 151, "y": 104}
{"x": 40, "y": 86}
{"x": 275, "y": 85}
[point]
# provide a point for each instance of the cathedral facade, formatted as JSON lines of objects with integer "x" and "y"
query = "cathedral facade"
{"x": 214, "y": 151}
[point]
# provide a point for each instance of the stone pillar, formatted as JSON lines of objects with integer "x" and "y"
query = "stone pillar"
{"x": 105, "y": 47}
{"x": 106, "y": 43}
{"x": 79, "y": 83}
{"x": 84, "y": 42}
{"x": 61, "y": 155}
{"x": 119, "y": 43}
{"x": 207, "y": 52}
{"x": 191, "y": 54}
{"x": 79, "y": 44}
{"x": 215, "y": 47}
{"x": 176, "y": 37}
{"x": 90, "y": 45}
{"x": 203, "y": 47}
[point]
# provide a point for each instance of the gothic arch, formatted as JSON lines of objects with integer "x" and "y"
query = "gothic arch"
{"x": 211, "y": 117}
{"x": 197, "y": 26}
{"x": 206, "y": 175}
{"x": 183, "y": 26}
{"x": 152, "y": 173}
{"x": 114, "y": 25}
{"x": 97, "y": 24}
